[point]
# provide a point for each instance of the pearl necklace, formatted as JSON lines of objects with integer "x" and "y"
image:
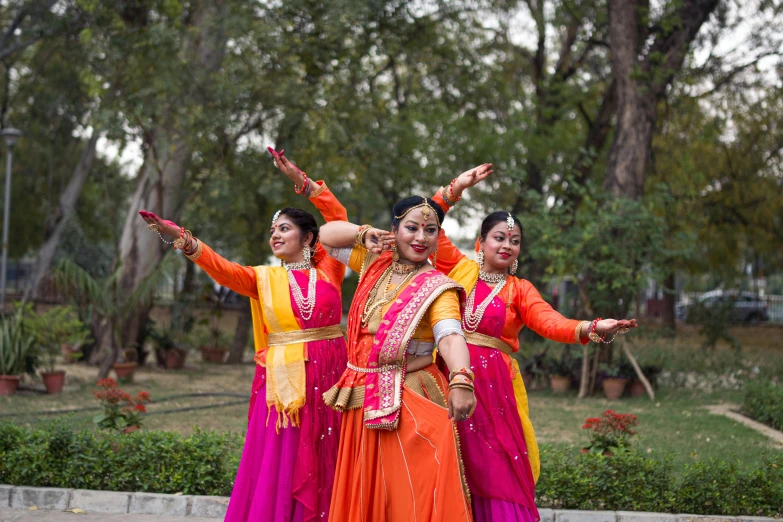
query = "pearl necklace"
{"x": 306, "y": 305}
{"x": 472, "y": 317}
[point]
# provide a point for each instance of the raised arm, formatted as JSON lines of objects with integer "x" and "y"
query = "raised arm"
{"x": 241, "y": 279}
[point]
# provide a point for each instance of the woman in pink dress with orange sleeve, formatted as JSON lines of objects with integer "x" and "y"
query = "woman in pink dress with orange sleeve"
{"x": 288, "y": 462}
{"x": 499, "y": 448}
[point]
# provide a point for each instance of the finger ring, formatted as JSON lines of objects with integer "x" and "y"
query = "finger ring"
{"x": 274, "y": 161}
{"x": 153, "y": 227}
{"x": 623, "y": 330}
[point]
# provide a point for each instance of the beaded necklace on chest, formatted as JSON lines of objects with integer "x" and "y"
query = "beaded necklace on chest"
{"x": 473, "y": 314}
{"x": 375, "y": 304}
{"x": 306, "y": 305}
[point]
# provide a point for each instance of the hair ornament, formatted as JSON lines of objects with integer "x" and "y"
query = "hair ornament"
{"x": 426, "y": 211}
{"x": 275, "y": 217}
{"x": 510, "y": 221}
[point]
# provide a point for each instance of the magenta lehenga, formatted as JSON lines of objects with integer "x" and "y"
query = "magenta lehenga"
{"x": 286, "y": 475}
{"x": 496, "y": 460}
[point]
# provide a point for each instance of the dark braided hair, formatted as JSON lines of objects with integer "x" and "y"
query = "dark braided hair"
{"x": 304, "y": 220}
{"x": 403, "y": 205}
{"x": 493, "y": 219}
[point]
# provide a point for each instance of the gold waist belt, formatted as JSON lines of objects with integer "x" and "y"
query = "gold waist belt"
{"x": 305, "y": 336}
{"x": 480, "y": 339}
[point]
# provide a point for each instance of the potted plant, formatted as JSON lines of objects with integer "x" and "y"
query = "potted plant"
{"x": 121, "y": 412}
{"x": 170, "y": 354}
{"x": 51, "y": 329}
{"x": 126, "y": 366}
{"x": 213, "y": 344}
{"x": 636, "y": 389}
{"x": 16, "y": 352}
{"x": 610, "y": 432}
{"x": 559, "y": 371}
{"x": 614, "y": 381}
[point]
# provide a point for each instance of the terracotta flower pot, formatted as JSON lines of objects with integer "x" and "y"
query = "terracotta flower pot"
{"x": 614, "y": 387}
{"x": 559, "y": 383}
{"x": 125, "y": 370}
{"x": 216, "y": 355}
{"x": 8, "y": 385}
{"x": 54, "y": 381}
{"x": 175, "y": 358}
{"x": 637, "y": 388}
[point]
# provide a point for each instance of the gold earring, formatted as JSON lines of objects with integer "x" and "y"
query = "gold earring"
{"x": 514, "y": 267}
{"x": 435, "y": 258}
{"x": 307, "y": 254}
{"x": 395, "y": 254}
{"x": 480, "y": 259}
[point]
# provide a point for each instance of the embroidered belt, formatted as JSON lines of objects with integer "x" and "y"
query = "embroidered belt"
{"x": 487, "y": 341}
{"x": 305, "y": 336}
{"x": 373, "y": 370}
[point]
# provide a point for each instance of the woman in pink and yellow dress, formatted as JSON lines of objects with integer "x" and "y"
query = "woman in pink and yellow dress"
{"x": 498, "y": 443}
{"x": 288, "y": 462}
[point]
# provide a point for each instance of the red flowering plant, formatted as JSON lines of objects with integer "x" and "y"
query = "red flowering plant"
{"x": 610, "y": 431}
{"x": 120, "y": 410}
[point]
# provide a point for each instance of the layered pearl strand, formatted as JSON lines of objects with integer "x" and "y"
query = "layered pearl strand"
{"x": 473, "y": 314}
{"x": 306, "y": 304}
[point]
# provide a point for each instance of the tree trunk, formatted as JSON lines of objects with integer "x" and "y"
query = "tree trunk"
{"x": 56, "y": 224}
{"x": 159, "y": 185}
{"x": 642, "y": 82}
{"x": 241, "y": 334}
{"x": 669, "y": 298}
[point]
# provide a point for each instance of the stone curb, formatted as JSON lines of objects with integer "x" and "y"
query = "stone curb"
{"x": 118, "y": 502}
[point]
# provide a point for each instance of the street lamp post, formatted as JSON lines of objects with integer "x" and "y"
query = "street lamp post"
{"x": 11, "y": 136}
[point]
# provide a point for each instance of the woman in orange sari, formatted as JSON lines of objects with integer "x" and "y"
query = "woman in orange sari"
{"x": 287, "y": 467}
{"x": 498, "y": 443}
{"x": 399, "y": 454}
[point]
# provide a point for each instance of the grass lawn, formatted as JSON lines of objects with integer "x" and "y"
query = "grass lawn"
{"x": 676, "y": 423}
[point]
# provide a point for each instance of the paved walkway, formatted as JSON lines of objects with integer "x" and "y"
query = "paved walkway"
{"x": 23, "y": 515}
{"x": 729, "y": 410}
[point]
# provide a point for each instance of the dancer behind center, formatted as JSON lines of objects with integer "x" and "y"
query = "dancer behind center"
{"x": 287, "y": 467}
{"x": 498, "y": 443}
{"x": 399, "y": 455}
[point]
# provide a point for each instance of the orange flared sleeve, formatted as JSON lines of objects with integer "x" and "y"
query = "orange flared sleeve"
{"x": 241, "y": 279}
{"x": 331, "y": 210}
{"x": 539, "y": 316}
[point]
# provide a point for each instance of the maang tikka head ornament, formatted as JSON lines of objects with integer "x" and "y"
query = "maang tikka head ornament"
{"x": 426, "y": 211}
{"x": 276, "y": 217}
{"x": 510, "y": 221}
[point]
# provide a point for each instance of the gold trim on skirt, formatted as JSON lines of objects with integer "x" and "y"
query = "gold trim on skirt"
{"x": 305, "y": 336}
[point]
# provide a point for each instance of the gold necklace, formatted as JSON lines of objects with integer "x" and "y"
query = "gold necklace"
{"x": 374, "y": 304}
{"x": 399, "y": 268}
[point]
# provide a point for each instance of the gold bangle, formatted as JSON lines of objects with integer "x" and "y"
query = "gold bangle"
{"x": 361, "y": 233}
{"x": 195, "y": 255}
{"x": 578, "y": 331}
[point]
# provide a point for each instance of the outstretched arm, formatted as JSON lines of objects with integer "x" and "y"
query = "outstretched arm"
{"x": 241, "y": 279}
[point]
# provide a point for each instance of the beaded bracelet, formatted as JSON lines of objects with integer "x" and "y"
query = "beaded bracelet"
{"x": 304, "y": 184}
{"x": 444, "y": 192}
{"x": 593, "y": 335}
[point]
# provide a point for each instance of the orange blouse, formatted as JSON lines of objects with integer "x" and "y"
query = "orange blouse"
{"x": 242, "y": 279}
{"x": 524, "y": 304}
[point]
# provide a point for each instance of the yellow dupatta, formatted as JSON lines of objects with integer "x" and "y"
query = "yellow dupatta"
{"x": 285, "y": 364}
{"x": 466, "y": 274}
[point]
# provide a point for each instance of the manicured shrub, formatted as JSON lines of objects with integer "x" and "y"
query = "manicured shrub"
{"x": 764, "y": 402}
{"x": 53, "y": 455}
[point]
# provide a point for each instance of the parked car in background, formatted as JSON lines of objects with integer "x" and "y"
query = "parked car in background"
{"x": 747, "y": 307}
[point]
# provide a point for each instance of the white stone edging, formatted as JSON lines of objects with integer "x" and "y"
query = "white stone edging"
{"x": 118, "y": 502}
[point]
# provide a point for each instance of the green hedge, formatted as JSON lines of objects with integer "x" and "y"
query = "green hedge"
{"x": 54, "y": 455}
{"x": 764, "y": 402}
{"x": 630, "y": 481}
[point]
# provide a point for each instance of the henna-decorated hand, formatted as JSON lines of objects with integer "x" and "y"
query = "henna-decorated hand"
{"x": 612, "y": 326}
{"x": 471, "y": 177}
{"x": 285, "y": 166}
{"x": 165, "y": 227}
